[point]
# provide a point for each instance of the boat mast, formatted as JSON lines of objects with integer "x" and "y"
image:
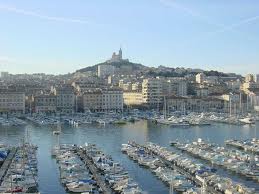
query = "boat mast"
{"x": 252, "y": 156}
{"x": 171, "y": 191}
{"x": 59, "y": 131}
{"x": 230, "y": 106}
{"x": 247, "y": 99}
{"x": 164, "y": 109}
{"x": 240, "y": 104}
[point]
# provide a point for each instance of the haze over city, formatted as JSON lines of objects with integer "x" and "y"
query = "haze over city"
{"x": 63, "y": 36}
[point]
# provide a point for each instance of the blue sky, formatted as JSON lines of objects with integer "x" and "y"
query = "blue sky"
{"x": 61, "y": 36}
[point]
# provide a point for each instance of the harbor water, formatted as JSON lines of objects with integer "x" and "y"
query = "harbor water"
{"x": 110, "y": 137}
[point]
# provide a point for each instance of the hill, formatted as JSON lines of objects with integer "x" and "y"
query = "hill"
{"x": 135, "y": 66}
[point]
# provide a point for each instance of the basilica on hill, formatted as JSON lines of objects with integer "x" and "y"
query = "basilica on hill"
{"x": 117, "y": 57}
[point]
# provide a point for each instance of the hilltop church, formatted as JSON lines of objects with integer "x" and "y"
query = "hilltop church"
{"x": 117, "y": 57}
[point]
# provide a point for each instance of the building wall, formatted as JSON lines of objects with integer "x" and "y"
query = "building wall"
{"x": 233, "y": 85}
{"x": 195, "y": 104}
{"x": 112, "y": 100}
{"x": 200, "y": 77}
{"x": 257, "y": 78}
{"x": 133, "y": 98}
{"x": 136, "y": 86}
{"x": 12, "y": 101}
{"x": 152, "y": 91}
{"x": 202, "y": 92}
{"x": 249, "y": 78}
{"x": 103, "y": 101}
{"x": 176, "y": 87}
{"x": 92, "y": 101}
{"x": 45, "y": 104}
{"x": 65, "y": 99}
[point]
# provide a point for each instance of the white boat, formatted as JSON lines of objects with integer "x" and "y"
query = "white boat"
{"x": 79, "y": 187}
{"x": 56, "y": 132}
{"x": 247, "y": 120}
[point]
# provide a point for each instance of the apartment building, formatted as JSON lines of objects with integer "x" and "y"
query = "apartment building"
{"x": 175, "y": 86}
{"x": 66, "y": 99}
{"x": 45, "y": 103}
{"x": 103, "y": 100}
{"x": 12, "y": 101}
{"x": 195, "y": 104}
{"x": 200, "y": 78}
{"x": 152, "y": 91}
{"x": 133, "y": 98}
{"x": 92, "y": 100}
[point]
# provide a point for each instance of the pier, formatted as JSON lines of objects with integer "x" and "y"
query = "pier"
{"x": 173, "y": 166}
{"x": 208, "y": 152}
{"x": 15, "y": 179}
{"x": 6, "y": 164}
{"x": 248, "y": 145}
{"x": 87, "y": 160}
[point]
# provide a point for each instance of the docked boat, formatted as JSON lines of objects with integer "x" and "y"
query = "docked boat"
{"x": 79, "y": 187}
{"x": 73, "y": 173}
{"x": 21, "y": 175}
{"x": 247, "y": 120}
{"x": 56, "y": 132}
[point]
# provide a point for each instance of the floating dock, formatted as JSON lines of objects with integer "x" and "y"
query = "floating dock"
{"x": 88, "y": 162}
{"x": 171, "y": 165}
{"x": 6, "y": 164}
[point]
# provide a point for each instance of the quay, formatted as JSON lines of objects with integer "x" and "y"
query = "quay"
{"x": 87, "y": 160}
{"x": 173, "y": 166}
{"x": 247, "y": 145}
{"x": 6, "y": 164}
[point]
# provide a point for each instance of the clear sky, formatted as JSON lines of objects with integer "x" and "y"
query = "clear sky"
{"x": 60, "y": 36}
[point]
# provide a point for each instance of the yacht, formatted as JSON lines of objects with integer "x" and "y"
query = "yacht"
{"x": 247, "y": 120}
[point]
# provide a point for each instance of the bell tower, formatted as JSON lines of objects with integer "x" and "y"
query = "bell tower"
{"x": 120, "y": 54}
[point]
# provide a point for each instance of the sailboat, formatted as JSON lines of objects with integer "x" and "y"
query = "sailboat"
{"x": 58, "y": 131}
{"x": 172, "y": 121}
{"x": 21, "y": 176}
{"x": 56, "y": 148}
{"x": 164, "y": 120}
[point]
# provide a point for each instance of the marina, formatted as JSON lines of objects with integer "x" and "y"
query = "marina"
{"x": 75, "y": 177}
{"x": 200, "y": 174}
{"x": 234, "y": 160}
{"x": 19, "y": 173}
{"x": 11, "y": 121}
{"x": 7, "y": 156}
{"x": 250, "y": 145}
{"x": 103, "y": 187}
{"x": 115, "y": 176}
{"x": 85, "y": 119}
{"x": 109, "y": 139}
{"x": 174, "y": 119}
{"x": 168, "y": 175}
